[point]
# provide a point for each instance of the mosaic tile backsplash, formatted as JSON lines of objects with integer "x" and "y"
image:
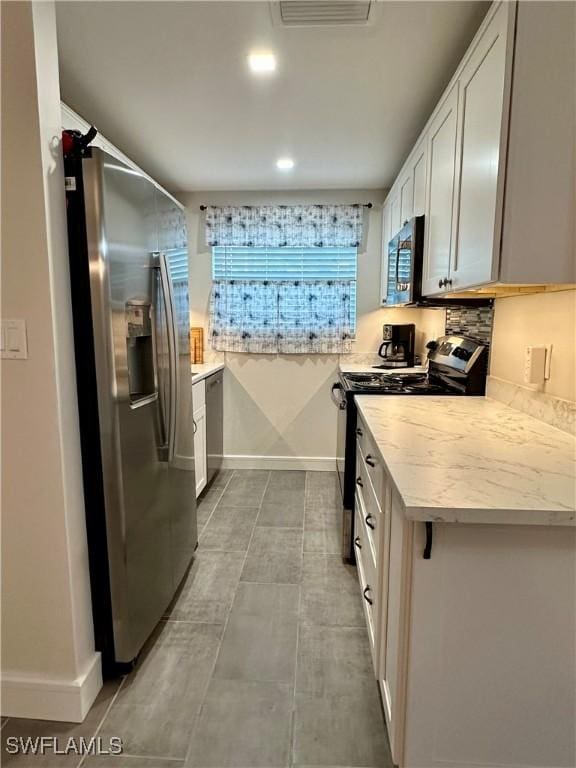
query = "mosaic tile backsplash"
{"x": 475, "y": 322}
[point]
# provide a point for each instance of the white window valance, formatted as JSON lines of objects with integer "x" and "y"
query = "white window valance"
{"x": 285, "y": 226}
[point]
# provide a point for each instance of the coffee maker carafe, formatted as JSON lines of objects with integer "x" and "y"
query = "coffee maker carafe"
{"x": 397, "y": 348}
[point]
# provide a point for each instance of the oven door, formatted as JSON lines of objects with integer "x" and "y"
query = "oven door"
{"x": 339, "y": 399}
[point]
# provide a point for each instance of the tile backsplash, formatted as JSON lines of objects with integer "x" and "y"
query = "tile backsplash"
{"x": 475, "y": 322}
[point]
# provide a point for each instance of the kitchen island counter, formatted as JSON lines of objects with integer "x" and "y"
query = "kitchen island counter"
{"x": 473, "y": 460}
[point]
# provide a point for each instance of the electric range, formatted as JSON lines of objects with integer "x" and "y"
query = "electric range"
{"x": 457, "y": 366}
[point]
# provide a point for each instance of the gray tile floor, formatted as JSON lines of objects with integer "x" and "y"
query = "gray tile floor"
{"x": 263, "y": 658}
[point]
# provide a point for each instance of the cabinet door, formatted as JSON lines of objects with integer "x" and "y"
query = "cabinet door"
{"x": 200, "y": 448}
{"x": 406, "y": 196}
{"x": 481, "y": 106}
{"x": 440, "y": 195}
{"x": 384, "y": 259}
{"x": 393, "y": 665}
{"x": 419, "y": 181}
{"x": 395, "y": 220}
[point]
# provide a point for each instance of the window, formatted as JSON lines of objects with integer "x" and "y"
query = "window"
{"x": 284, "y": 265}
{"x": 288, "y": 300}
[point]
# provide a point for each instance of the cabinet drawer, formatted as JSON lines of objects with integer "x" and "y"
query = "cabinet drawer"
{"x": 368, "y": 508}
{"x": 199, "y": 395}
{"x": 372, "y": 460}
{"x": 368, "y": 586}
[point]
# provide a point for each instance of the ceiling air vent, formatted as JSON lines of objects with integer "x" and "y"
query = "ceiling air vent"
{"x": 312, "y": 13}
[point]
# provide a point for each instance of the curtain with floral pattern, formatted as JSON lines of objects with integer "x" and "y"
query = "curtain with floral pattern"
{"x": 290, "y": 317}
{"x": 277, "y": 226}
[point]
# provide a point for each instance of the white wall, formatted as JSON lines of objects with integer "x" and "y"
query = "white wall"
{"x": 537, "y": 319}
{"x": 279, "y": 405}
{"x": 49, "y": 667}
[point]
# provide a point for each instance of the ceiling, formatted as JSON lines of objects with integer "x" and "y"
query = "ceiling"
{"x": 168, "y": 83}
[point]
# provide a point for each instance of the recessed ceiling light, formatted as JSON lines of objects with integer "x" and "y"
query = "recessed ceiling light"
{"x": 262, "y": 62}
{"x": 285, "y": 164}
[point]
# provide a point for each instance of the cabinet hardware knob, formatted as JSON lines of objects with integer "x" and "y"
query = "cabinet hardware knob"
{"x": 370, "y": 525}
{"x": 359, "y": 482}
{"x": 195, "y": 425}
{"x": 370, "y": 461}
{"x": 448, "y": 281}
{"x": 359, "y": 432}
{"x": 368, "y": 599}
{"x": 357, "y": 542}
{"x": 441, "y": 283}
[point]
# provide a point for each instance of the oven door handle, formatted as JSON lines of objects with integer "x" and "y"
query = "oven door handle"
{"x": 339, "y": 402}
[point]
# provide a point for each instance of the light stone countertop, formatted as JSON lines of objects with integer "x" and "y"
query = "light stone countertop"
{"x": 203, "y": 370}
{"x": 473, "y": 460}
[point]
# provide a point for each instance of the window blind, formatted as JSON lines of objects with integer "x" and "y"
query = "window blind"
{"x": 284, "y": 264}
{"x": 178, "y": 263}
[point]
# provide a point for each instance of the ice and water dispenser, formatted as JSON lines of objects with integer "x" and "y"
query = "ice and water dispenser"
{"x": 140, "y": 346}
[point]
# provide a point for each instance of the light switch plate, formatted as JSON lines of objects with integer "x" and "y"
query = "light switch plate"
{"x": 13, "y": 343}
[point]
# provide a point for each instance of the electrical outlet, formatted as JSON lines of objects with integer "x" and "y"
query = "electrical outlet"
{"x": 535, "y": 365}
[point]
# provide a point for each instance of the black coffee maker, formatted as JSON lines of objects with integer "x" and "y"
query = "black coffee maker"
{"x": 397, "y": 348}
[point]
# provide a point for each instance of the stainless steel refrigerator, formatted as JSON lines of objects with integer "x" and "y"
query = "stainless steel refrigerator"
{"x": 129, "y": 282}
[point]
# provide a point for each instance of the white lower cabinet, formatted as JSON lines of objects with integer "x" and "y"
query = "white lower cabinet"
{"x": 200, "y": 459}
{"x": 473, "y": 647}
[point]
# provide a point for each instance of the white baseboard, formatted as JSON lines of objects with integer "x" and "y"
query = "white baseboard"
{"x": 44, "y": 699}
{"x": 310, "y": 463}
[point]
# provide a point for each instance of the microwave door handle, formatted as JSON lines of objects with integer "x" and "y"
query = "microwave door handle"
{"x": 169, "y": 416}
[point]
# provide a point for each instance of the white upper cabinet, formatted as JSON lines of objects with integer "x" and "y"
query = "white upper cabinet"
{"x": 406, "y": 196}
{"x": 481, "y": 109}
{"x": 384, "y": 265}
{"x": 395, "y": 220}
{"x": 493, "y": 171}
{"x": 419, "y": 170}
{"x": 440, "y": 195}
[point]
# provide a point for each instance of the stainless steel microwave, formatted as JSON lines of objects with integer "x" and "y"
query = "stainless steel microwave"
{"x": 405, "y": 253}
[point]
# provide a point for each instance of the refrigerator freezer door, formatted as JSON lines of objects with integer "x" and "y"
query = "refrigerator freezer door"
{"x": 173, "y": 251}
{"x": 144, "y": 504}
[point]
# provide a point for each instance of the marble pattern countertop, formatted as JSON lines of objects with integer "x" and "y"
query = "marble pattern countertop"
{"x": 473, "y": 460}
{"x": 203, "y": 370}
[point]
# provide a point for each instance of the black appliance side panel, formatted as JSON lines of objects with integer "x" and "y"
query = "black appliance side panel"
{"x": 88, "y": 415}
{"x": 350, "y": 469}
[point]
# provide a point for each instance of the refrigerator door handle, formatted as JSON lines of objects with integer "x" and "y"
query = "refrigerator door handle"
{"x": 169, "y": 418}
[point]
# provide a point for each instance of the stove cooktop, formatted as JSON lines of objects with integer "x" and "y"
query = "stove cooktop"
{"x": 393, "y": 384}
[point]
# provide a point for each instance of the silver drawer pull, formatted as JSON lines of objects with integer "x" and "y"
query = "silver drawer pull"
{"x": 357, "y": 542}
{"x": 370, "y": 525}
{"x": 370, "y": 461}
{"x": 368, "y": 599}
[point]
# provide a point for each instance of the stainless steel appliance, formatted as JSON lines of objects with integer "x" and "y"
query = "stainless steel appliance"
{"x": 397, "y": 348}
{"x": 405, "y": 264}
{"x": 214, "y": 423}
{"x": 456, "y": 366}
{"x": 129, "y": 281}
